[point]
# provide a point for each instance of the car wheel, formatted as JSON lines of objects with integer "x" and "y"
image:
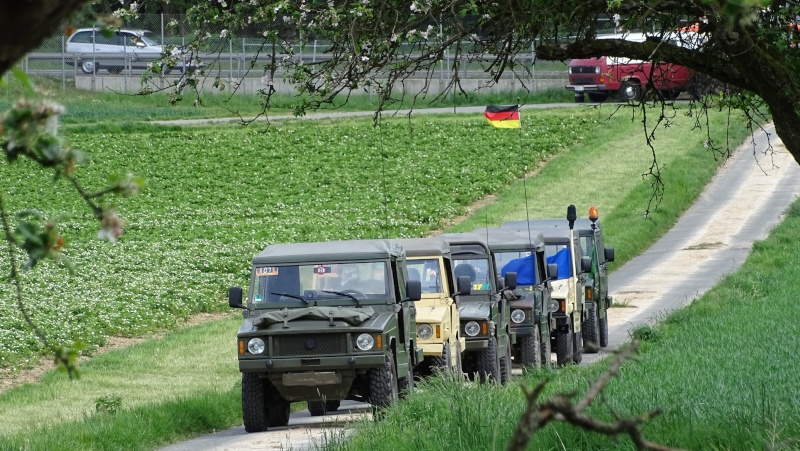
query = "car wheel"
{"x": 254, "y": 406}
{"x": 530, "y": 349}
{"x": 316, "y": 408}
{"x": 332, "y": 406}
{"x": 603, "y": 323}
{"x": 442, "y": 362}
{"x": 546, "y": 349}
{"x": 489, "y": 362}
{"x": 590, "y": 329}
{"x": 116, "y": 70}
{"x": 505, "y": 366}
{"x": 89, "y": 67}
{"x": 564, "y": 346}
{"x": 577, "y": 344}
{"x": 383, "y": 383}
{"x": 630, "y": 91}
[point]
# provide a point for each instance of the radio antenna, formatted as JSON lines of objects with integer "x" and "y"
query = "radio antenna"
{"x": 383, "y": 179}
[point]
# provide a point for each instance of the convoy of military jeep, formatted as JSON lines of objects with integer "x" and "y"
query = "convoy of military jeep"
{"x": 360, "y": 320}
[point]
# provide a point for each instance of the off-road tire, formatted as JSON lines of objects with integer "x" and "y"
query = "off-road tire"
{"x": 442, "y": 362}
{"x": 545, "y": 351}
{"x": 505, "y": 365}
{"x": 316, "y": 408}
{"x": 577, "y": 345}
{"x": 383, "y": 384}
{"x": 603, "y": 322}
{"x": 254, "y": 403}
{"x": 332, "y": 406}
{"x": 597, "y": 97}
{"x": 459, "y": 360}
{"x": 630, "y": 91}
{"x": 405, "y": 385}
{"x": 530, "y": 349}
{"x": 590, "y": 329}
{"x": 278, "y": 409}
{"x": 489, "y": 362}
{"x": 564, "y": 347}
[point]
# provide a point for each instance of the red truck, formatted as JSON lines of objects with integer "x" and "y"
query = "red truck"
{"x": 606, "y": 75}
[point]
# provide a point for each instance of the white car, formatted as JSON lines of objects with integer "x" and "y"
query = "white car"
{"x": 114, "y": 53}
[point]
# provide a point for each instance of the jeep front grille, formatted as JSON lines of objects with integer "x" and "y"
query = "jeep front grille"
{"x": 313, "y": 344}
{"x": 583, "y": 69}
{"x": 583, "y": 80}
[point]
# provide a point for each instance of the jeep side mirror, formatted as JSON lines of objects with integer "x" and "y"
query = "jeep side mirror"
{"x": 464, "y": 285}
{"x": 235, "y": 297}
{"x": 586, "y": 264}
{"x": 413, "y": 290}
{"x": 609, "y": 254}
{"x": 511, "y": 280}
{"x": 552, "y": 271}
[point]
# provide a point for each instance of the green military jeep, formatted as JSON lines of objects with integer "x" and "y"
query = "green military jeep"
{"x": 598, "y": 301}
{"x": 430, "y": 261}
{"x": 532, "y": 319}
{"x": 325, "y": 322}
{"x": 484, "y": 312}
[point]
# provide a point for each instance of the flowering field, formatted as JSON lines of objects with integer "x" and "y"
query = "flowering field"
{"x": 216, "y": 196}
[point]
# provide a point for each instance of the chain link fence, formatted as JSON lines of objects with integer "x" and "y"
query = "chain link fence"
{"x": 239, "y": 60}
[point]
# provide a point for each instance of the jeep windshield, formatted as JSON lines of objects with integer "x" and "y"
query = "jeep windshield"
{"x": 521, "y": 262}
{"x": 427, "y": 272}
{"x": 477, "y": 269}
{"x": 320, "y": 283}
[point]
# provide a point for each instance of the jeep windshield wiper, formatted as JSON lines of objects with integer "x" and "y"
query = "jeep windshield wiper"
{"x": 349, "y": 295}
{"x": 293, "y": 296}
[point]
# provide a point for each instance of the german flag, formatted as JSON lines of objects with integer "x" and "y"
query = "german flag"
{"x": 503, "y": 116}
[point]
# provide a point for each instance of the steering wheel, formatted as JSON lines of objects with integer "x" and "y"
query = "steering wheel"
{"x": 355, "y": 293}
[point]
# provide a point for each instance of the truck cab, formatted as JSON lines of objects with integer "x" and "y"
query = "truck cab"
{"x": 532, "y": 320}
{"x": 323, "y": 322}
{"x": 484, "y": 313}
{"x": 438, "y": 323}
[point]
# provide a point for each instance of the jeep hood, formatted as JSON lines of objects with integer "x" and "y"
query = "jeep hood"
{"x": 431, "y": 314}
{"x": 350, "y": 315}
{"x": 560, "y": 289}
{"x": 478, "y": 310}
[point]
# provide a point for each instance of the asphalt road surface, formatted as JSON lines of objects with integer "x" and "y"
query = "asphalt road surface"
{"x": 712, "y": 239}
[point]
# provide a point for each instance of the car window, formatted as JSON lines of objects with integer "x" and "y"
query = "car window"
{"x": 82, "y": 37}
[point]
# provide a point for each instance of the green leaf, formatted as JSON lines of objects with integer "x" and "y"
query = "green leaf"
{"x": 23, "y": 78}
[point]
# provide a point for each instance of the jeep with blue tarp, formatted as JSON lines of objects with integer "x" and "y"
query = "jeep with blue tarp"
{"x": 324, "y": 322}
{"x": 597, "y": 298}
{"x": 484, "y": 313}
{"x": 438, "y": 333}
{"x": 532, "y": 320}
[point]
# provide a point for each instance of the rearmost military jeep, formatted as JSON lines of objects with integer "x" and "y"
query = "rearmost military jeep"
{"x": 325, "y": 322}
{"x": 484, "y": 312}
{"x": 532, "y": 320}
{"x": 429, "y": 261}
{"x": 598, "y": 301}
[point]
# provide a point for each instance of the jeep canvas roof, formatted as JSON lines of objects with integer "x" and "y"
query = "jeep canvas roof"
{"x": 346, "y": 250}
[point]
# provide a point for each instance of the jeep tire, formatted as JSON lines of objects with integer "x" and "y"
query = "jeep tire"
{"x": 319, "y": 408}
{"x": 603, "y": 323}
{"x": 442, "y": 362}
{"x": 505, "y": 365}
{"x": 254, "y": 403}
{"x": 489, "y": 362}
{"x": 383, "y": 383}
{"x": 530, "y": 352}
{"x": 564, "y": 346}
{"x": 577, "y": 344}
{"x": 546, "y": 350}
{"x": 590, "y": 329}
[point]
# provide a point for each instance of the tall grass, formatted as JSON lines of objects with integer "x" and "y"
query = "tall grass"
{"x": 720, "y": 370}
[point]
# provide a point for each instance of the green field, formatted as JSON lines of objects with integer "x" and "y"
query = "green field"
{"x": 217, "y": 195}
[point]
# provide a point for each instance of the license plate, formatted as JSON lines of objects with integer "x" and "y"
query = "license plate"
{"x": 578, "y": 88}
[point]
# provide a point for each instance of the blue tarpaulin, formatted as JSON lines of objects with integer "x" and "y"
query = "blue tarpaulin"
{"x": 523, "y": 267}
{"x": 562, "y": 259}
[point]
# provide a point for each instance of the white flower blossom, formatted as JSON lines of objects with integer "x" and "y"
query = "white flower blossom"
{"x": 223, "y": 34}
{"x": 486, "y": 16}
{"x": 364, "y": 58}
{"x": 393, "y": 38}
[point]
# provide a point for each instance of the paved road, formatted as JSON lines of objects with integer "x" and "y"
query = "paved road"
{"x": 713, "y": 238}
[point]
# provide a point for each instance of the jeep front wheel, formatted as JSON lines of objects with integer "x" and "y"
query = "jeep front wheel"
{"x": 505, "y": 365}
{"x": 443, "y": 362}
{"x": 590, "y": 329}
{"x": 564, "y": 345}
{"x": 317, "y": 408}
{"x": 546, "y": 349}
{"x": 489, "y": 362}
{"x": 603, "y": 322}
{"x": 254, "y": 403}
{"x": 383, "y": 383}
{"x": 530, "y": 353}
{"x": 577, "y": 343}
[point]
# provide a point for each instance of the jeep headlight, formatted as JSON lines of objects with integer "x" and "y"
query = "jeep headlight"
{"x": 517, "y": 316}
{"x": 256, "y": 346}
{"x": 365, "y": 342}
{"x": 472, "y": 328}
{"x": 424, "y": 331}
{"x": 553, "y": 305}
